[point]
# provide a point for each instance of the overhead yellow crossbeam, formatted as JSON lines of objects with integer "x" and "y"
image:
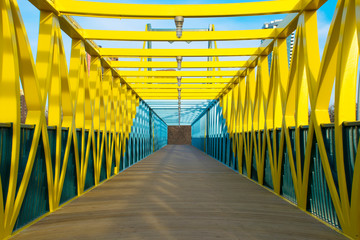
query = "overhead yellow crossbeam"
{"x": 285, "y": 27}
{"x": 126, "y": 52}
{"x": 176, "y": 95}
{"x": 175, "y": 98}
{"x": 194, "y": 86}
{"x": 98, "y": 9}
{"x": 199, "y": 91}
{"x": 199, "y": 64}
{"x": 174, "y": 80}
{"x": 177, "y": 73}
{"x": 186, "y": 36}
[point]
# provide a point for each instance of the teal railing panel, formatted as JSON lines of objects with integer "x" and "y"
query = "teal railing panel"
{"x": 148, "y": 134}
{"x": 216, "y": 142}
{"x": 69, "y": 190}
{"x": 319, "y": 202}
{"x": 36, "y": 201}
{"x": 90, "y": 174}
{"x": 5, "y": 156}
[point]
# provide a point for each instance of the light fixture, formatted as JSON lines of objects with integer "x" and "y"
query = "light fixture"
{"x": 179, "y": 60}
{"x": 179, "y": 21}
{"x": 179, "y": 81}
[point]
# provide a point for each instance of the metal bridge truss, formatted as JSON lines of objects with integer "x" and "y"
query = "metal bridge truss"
{"x": 99, "y": 122}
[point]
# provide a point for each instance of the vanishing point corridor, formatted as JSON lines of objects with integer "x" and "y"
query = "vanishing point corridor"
{"x": 179, "y": 193}
{"x": 181, "y": 119}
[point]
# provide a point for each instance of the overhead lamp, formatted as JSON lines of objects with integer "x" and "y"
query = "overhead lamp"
{"x": 179, "y": 60}
{"x": 179, "y": 81}
{"x": 179, "y": 21}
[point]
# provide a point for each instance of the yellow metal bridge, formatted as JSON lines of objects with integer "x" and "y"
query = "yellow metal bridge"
{"x": 265, "y": 115}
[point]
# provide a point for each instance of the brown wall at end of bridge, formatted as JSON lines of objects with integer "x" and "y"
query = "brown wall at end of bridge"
{"x": 179, "y": 135}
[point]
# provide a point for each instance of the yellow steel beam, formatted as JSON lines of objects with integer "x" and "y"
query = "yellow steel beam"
{"x": 182, "y": 98}
{"x": 176, "y": 95}
{"x": 71, "y": 28}
{"x": 186, "y": 36}
{"x": 98, "y": 9}
{"x": 177, "y": 73}
{"x": 173, "y": 64}
{"x": 126, "y": 52}
{"x": 174, "y": 80}
{"x": 173, "y": 90}
{"x": 169, "y": 86}
{"x": 286, "y": 27}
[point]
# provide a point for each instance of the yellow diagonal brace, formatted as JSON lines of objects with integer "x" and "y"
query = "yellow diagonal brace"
{"x": 187, "y": 36}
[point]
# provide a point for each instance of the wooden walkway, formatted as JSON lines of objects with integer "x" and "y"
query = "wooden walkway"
{"x": 179, "y": 193}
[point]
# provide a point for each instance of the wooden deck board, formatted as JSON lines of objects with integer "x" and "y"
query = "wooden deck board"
{"x": 179, "y": 193}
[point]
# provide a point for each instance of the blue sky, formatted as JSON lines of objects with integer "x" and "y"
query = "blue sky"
{"x": 31, "y": 18}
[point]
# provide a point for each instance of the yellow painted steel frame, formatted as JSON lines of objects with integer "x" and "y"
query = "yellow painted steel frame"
{"x": 253, "y": 101}
{"x": 174, "y": 80}
{"x": 259, "y": 102}
{"x": 128, "y": 52}
{"x": 76, "y": 101}
{"x": 197, "y": 64}
{"x": 187, "y": 36}
{"x": 81, "y": 8}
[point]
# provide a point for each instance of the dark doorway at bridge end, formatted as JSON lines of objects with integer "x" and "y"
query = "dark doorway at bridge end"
{"x": 179, "y": 135}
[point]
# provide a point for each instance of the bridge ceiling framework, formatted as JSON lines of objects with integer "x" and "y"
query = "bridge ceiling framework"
{"x": 106, "y": 117}
{"x": 204, "y": 67}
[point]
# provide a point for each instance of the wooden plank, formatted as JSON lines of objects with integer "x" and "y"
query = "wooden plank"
{"x": 179, "y": 193}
